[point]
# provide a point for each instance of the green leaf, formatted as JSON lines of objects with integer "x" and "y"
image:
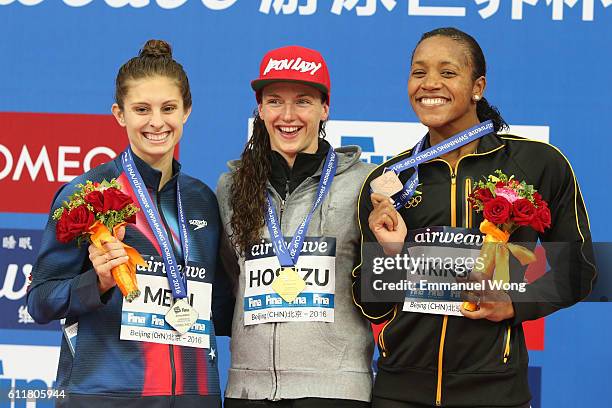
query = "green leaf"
{"x": 57, "y": 214}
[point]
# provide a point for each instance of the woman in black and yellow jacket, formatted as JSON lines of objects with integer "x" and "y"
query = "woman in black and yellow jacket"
{"x": 480, "y": 359}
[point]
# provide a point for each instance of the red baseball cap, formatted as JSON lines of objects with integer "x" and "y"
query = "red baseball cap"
{"x": 293, "y": 64}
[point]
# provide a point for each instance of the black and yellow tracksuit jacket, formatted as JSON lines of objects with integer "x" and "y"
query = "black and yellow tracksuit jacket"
{"x": 454, "y": 361}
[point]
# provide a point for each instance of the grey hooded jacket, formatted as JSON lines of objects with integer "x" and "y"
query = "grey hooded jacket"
{"x": 307, "y": 359}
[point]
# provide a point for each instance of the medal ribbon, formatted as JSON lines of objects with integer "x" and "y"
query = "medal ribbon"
{"x": 418, "y": 156}
{"x": 177, "y": 281}
{"x": 288, "y": 256}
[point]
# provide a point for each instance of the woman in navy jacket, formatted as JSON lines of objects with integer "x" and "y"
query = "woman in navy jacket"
{"x": 116, "y": 360}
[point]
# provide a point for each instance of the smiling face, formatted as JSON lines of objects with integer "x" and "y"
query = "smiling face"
{"x": 441, "y": 87}
{"x": 153, "y": 116}
{"x": 292, "y": 113}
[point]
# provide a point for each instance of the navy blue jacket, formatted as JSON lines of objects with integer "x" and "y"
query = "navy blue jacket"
{"x": 105, "y": 370}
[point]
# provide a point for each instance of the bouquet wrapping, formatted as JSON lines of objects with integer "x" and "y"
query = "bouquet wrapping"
{"x": 90, "y": 214}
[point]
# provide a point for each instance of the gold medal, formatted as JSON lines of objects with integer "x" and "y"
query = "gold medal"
{"x": 181, "y": 316}
{"x": 387, "y": 184}
{"x": 288, "y": 284}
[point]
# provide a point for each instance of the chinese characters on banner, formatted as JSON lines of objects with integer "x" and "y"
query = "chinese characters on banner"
{"x": 17, "y": 256}
{"x": 445, "y": 8}
{"x": 366, "y": 8}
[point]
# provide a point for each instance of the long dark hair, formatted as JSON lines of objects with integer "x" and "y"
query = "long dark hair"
{"x": 484, "y": 110}
{"x": 248, "y": 191}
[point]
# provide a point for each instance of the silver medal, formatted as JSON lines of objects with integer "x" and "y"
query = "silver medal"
{"x": 181, "y": 316}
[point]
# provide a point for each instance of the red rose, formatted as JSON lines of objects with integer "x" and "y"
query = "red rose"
{"x": 497, "y": 210}
{"x": 483, "y": 195}
{"x": 523, "y": 211}
{"x": 73, "y": 223}
{"x": 500, "y": 184}
{"x": 96, "y": 199}
{"x": 114, "y": 199}
{"x": 537, "y": 198}
{"x": 541, "y": 220}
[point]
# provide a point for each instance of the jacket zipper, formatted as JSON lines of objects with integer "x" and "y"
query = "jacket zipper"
{"x": 275, "y": 325}
{"x": 170, "y": 346}
{"x": 468, "y": 224}
{"x": 381, "y": 338}
{"x": 453, "y": 202}
{"x": 468, "y": 212}
{"x": 274, "y": 329}
{"x": 506, "y": 353}
{"x": 453, "y": 193}
{"x": 440, "y": 361}
{"x": 274, "y": 361}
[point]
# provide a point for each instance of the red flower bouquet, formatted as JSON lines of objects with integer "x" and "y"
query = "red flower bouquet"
{"x": 507, "y": 205}
{"x": 90, "y": 214}
{"x": 510, "y": 204}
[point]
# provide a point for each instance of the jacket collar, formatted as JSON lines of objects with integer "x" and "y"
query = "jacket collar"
{"x": 305, "y": 164}
{"x": 488, "y": 143}
{"x": 285, "y": 179}
{"x": 151, "y": 176}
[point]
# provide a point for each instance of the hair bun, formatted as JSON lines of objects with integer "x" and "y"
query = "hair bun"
{"x": 156, "y": 48}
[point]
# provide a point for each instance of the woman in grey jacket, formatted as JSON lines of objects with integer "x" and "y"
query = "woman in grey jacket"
{"x": 297, "y": 340}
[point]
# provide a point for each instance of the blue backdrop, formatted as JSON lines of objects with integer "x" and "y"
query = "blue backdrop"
{"x": 549, "y": 66}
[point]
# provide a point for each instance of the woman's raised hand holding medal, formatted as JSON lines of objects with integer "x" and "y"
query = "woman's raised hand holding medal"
{"x": 387, "y": 225}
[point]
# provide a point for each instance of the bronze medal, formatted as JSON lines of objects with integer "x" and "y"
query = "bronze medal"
{"x": 387, "y": 184}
